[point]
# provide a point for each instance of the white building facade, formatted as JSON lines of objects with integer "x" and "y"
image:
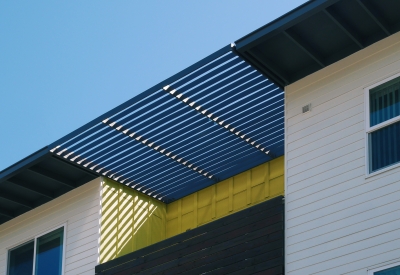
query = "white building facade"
{"x": 341, "y": 217}
{"x": 76, "y": 213}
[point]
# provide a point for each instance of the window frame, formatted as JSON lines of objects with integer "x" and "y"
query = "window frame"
{"x": 382, "y": 268}
{"x": 34, "y": 238}
{"x": 369, "y": 129}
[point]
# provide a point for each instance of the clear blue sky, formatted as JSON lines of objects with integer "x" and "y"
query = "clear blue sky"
{"x": 63, "y": 63}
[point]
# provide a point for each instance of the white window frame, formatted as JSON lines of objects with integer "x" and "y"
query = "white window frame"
{"x": 369, "y": 129}
{"x": 34, "y": 238}
{"x": 372, "y": 271}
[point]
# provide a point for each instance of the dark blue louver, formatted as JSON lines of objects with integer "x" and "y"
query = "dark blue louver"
{"x": 209, "y": 122}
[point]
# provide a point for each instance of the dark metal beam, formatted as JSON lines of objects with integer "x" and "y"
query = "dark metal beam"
{"x": 305, "y": 48}
{"x": 374, "y": 15}
{"x": 262, "y": 69}
{"x": 85, "y": 179}
{"x": 282, "y": 23}
{"x": 14, "y": 199}
{"x": 255, "y": 67}
{"x": 22, "y": 164}
{"x": 254, "y": 53}
{"x": 52, "y": 176}
{"x": 81, "y": 168}
{"x": 344, "y": 27}
{"x": 32, "y": 188}
{"x": 6, "y": 213}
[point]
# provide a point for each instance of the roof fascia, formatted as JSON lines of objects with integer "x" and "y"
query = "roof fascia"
{"x": 24, "y": 163}
{"x": 282, "y": 23}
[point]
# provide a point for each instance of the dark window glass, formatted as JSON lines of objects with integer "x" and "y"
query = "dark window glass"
{"x": 390, "y": 271}
{"x": 384, "y": 147}
{"x": 49, "y": 251}
{"x": 384, "y": 102}
{"x": 20, "y": 260}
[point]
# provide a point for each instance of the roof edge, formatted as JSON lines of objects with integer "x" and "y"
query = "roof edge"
{"x": 281, "y": 23}
{"x": 23, "y": 163}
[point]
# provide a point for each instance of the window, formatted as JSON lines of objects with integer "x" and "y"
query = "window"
{"x": 41, "y": 256}
{"x": 393, "y": 269}
{"x": 383, "y": 124}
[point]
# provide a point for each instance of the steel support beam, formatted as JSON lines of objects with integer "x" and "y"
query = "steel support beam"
{"x": 6, "y": 213}
{"x": 270, "y": 66}
{"x": 31, "y": 187}
{"x": 305, "y": 48}
{"x": 375, "y": 16}
{"x": 344, "y": 27}
{"x": 14, "y": 199}
{"x": 89, "y": 173}
{"x": 52, "y": 176}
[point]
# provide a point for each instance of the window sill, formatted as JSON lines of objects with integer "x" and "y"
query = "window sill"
{"x": 382, "y": 170}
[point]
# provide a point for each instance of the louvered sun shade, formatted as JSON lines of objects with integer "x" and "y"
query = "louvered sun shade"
{"x": 209, "y": 122}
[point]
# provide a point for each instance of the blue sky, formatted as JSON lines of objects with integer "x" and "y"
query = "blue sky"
{"x": 63, "y": 63}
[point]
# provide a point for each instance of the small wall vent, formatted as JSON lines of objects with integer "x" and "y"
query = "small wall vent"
{"x": 307, "y": 108}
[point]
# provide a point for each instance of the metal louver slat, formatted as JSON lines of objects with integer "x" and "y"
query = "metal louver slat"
{"x": 209, "y": 122}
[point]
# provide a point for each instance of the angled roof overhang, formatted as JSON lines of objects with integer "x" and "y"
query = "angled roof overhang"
{"x": 35, "y": 180}
{"x": 317, "y": 34}
{"x": 215, "y": 119}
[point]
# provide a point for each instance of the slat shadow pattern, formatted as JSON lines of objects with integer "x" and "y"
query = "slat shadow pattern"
{"x": 201, "y": 126}
{"x": 247, "y": 242}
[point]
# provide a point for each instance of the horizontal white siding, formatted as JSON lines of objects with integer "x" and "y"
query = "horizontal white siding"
{"x": 78, "y": 210}
{"x": 338, "y": 221}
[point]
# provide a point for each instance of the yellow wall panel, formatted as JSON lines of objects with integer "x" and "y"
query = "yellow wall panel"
{"x": 276, "y": 167}
{"x": 109, "y": 221}
{"x": 158, "y": 210}
{"x": 222, "y": 190}
{"x": 140, "y": 232}
{"x": 125, "y": 226}
{"x": 258, "y": 174}
{"x": 205, "y": 196}
{"x": 204, "y": 215}
{"x": 276, "y": 186}
{"x": 239, "y": 200}
{"x": 222, "y": 208}
{"x": 188, "y": 221}
{"x": 258, "y": 184}
{"x": 240, "y": 182}
{"x": 172, "y": 210}
{"x": 187, "y": 204}
{"x": 132, "y": 220}
{"x": 157, "y": 229}
{"x": 172, "y": 227}
{"x": 258, "y": 193}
